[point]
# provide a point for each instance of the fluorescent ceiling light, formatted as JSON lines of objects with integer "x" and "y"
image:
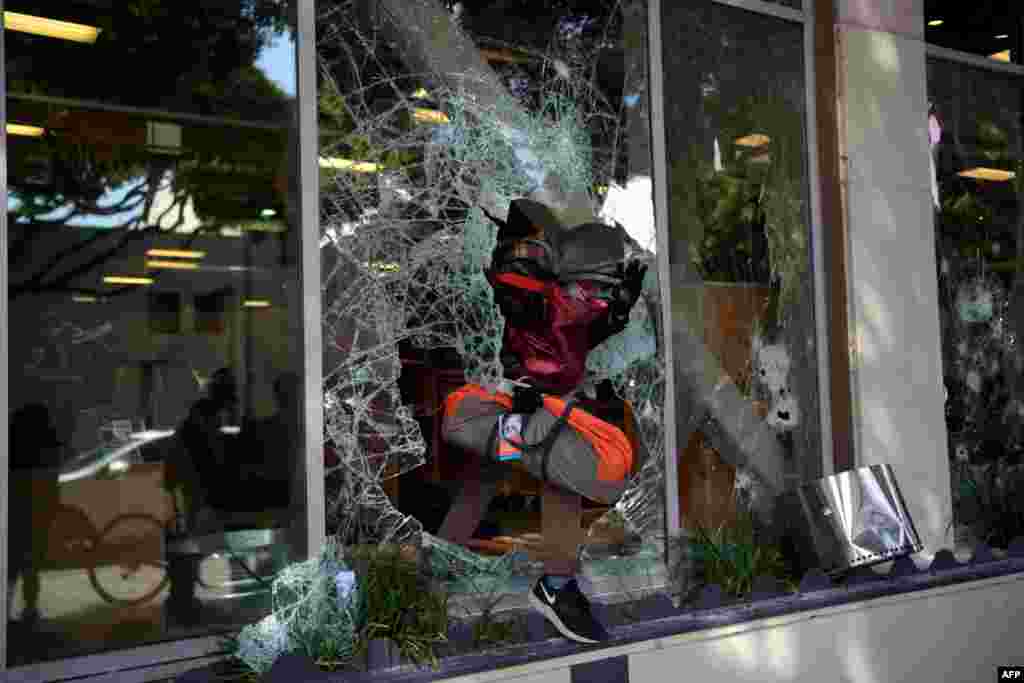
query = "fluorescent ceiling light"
{"x": 1002, "y": 36}
{"x": 230, "y": 429}
{"x": 268, "y": 213}
{"x": 994, "y": 174}
{"x": 27, "y": 131}
{"x": 754, "y": 140}
{"x": 429, "y": 115}
{"x": 127, "y": 280}
{"x": 256, "y": 303}
{"x": 152, "y": 434}
{"x": 83, "y": 298}
{"x": 348, "y": 165}
{"x": 936, "y": 22}
{"x": 41, "y": 26}
{"x": 1003, "y": 56}
{"x": 173, "y": 265}
{"x": 175, "y": 253}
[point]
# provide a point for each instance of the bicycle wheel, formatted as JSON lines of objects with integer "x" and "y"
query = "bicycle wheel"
{"x": 72, "y": 537}
{"x": 129, "y": 568}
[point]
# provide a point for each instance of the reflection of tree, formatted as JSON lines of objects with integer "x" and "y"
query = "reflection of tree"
{"x": 94, "y": 164}
{"x": 738, "y": 214}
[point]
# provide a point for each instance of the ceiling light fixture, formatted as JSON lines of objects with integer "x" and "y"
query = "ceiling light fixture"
{"x": 256, "y": 303}
{"x": 994, "y": 174}
{"x": 754, "y": 140}
{"x": 175, "y": 253}
{"x": 1003, "y": 56}
{"x": 51, "y": 28}
{"x": 173, "y": 265}
{"x": 127, "y": 280}
{"x": 268, "y": 213}
{"x": 1002, "y": 36}
{"x": 936, "y": 22}
{"x": 83, "y": 298}
{"x": 26, "y": 131}
{"x": 348, "y": 165}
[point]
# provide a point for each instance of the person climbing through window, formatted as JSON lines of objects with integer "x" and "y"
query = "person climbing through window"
{"x": 562, "y": 292}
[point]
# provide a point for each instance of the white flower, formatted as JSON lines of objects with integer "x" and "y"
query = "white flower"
{"x": 345, "y": 582}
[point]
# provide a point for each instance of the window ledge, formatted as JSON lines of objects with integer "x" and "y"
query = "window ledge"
{"x": 664, "y": 621}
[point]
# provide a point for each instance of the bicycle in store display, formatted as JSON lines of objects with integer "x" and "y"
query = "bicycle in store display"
{"x": 127, "y": 563}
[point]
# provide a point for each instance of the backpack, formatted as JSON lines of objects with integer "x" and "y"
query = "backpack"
{"x": 561, "y": 442}
{"x": 562, "y": 291}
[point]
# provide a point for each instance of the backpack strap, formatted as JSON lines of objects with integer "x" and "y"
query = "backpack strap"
{"x": 549, "y": 439}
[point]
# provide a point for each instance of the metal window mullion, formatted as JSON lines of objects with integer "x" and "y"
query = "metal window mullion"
{"x": 976, "y": 61}
{"x": 659, "y": 171}
{"x": 312, "y": 335}
{"x": 4, "y": 327}
{"x": 769, "y": 8}
{"x": 821, "y": 316}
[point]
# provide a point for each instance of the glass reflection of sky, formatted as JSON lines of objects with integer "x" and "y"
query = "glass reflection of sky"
{"x": 277, "y": 61}
{"x": 111, "y": 198}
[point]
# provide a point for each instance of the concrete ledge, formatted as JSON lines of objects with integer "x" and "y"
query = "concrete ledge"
{"x": 772, "y": 639}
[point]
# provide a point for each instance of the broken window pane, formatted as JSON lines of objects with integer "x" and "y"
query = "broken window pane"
{"x": 434, "y": 118}
{"x": 744, "y": 339}
{"x": 975, "y": 135}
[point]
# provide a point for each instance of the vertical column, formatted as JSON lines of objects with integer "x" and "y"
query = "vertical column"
{"x": 893, "y": 290}
{"x": 308, "y": 480}
{"x": 4, "y": 408}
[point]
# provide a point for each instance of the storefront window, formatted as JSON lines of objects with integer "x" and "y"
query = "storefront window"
{"x": 744, "y": 337}
{"x": 488, "y": 216}
{"x": 975, "y": 135}
{"x": 992, "y": 29}
{"x": 154, "y": 319}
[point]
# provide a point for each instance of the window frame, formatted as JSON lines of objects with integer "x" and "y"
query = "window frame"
{"x": 165, "y": 659}
{"x": 825, "y": 323}
{"x": 967, "y": 59}
{"x": 169, "y": 658}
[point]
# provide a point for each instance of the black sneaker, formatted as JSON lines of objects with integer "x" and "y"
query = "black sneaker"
{"x": 569, "y": 611}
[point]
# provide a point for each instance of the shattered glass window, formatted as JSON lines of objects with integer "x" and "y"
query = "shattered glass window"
{"x": 435, "y": 119}
{"x": 743, "y": 318}
{"x": 974, "y": 129}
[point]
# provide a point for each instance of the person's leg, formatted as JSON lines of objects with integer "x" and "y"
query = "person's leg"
{"x": 560, "y": 521}
{"x": 479, "y": 485}
{"x": 557, "y": 594}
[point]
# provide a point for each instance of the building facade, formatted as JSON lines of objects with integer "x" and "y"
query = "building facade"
{"x": 252, "y": 254}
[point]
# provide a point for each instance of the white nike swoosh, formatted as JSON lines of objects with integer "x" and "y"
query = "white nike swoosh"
{"x": 547, "y": 596}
